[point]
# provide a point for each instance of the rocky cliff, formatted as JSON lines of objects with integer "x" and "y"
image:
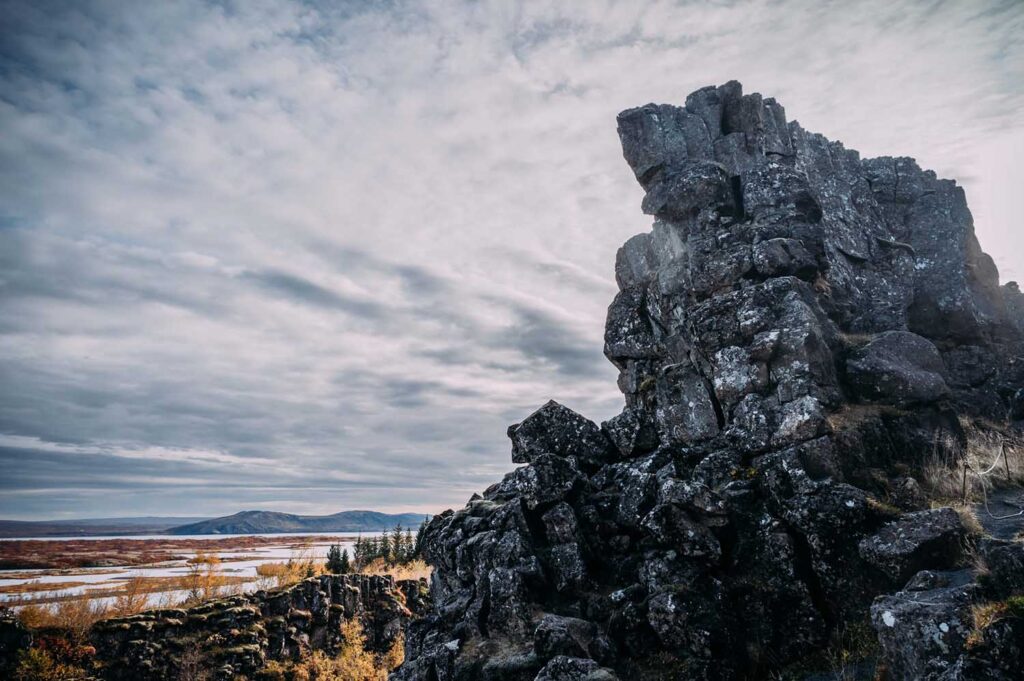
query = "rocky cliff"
{"x": 810, "y": 345}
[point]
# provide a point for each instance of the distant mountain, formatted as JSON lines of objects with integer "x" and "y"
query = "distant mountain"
{"x": 265, "y": 522}
{"x": 91, "y": 527}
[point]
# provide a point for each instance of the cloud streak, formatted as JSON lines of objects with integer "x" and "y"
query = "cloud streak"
{"x": 313, "y": 256}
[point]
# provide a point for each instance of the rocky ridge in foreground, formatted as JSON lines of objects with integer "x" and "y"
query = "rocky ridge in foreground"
{"x": 810, "y": 344}
{"x": 231, "y": 638}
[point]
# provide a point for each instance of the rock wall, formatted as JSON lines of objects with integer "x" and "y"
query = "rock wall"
{"x": 799, "y": 334}
{"x": 234, "y": 637}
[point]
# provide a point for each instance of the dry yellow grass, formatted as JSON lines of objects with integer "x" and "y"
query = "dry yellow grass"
{"x": 352, "y": 663}
{"x": 990, "y": 459}
{"x": 850, "y": 416}
{"x": 969, "y": 519}
{"x": 302, "y": 565}
{"x": 985, "y": 615}
{"x": 37, "y": 586}
{"x": 415, "y": 569}
{"x": 74, "y": 616}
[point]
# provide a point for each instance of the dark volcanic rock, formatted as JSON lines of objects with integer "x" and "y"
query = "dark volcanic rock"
{"x": 925, "y": 539}
{"x": 924, "y": 628}
{"x": 554, "y": 429}
{"x": 798, "y": 335}
{"x": 564, "y": 668}
{"x": 898, "y": 367}
{"x": 236, "y": 636}
{"x": 569, "y": 636}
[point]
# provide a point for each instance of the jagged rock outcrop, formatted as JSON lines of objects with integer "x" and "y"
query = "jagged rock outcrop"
{"x": 235, "y": 637}
{"x": 801, "y": 332}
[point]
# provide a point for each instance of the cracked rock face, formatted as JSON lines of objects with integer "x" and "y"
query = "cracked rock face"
{"x": 794, "y": 335}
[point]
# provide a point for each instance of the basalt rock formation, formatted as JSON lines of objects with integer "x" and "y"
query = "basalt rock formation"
{"x": 233, "y": 638}
{"x": 808, "y": 341}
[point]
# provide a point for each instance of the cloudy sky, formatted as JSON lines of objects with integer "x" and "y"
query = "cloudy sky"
{"x": 312, "y": 257}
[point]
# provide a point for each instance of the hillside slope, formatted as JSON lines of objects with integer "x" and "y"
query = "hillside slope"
{"x": 264, "y": 522}
{"x": 91, "y": 527}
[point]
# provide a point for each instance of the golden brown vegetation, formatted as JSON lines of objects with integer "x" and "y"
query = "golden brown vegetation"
{"x": 75, "y": 616}
{"x": 62, "y": 554}
{"x": 302, "y": 565}
{"x": 54, "y": 658}
{"x": 985, "y": 615}
{"x": 205, "y": 580}
{"x": 966, "y": 474}
{"x": 352, "y": 663}
{"x": 414, "y": 569}
{"x": 37, "y": 586}
{"x": 36, "y": 664}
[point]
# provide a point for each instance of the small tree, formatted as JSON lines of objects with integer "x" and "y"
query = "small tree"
{"x": 373, "y": 549}
{"x": 360, "y": 552}
{"x": 132, "y": 598}
{"x": 344, "y": 565}
{"x": 420, "y": 533}
{"x": 203, "y": 579}
{"x": 408, "y": 546}
{"x": 396, "y": 545}
{"x": 334, "y": 560}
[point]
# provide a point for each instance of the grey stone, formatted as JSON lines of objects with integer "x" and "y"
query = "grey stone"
{"x": 563, "y": 668}
{"x": 898, "y": 367}
{"x": 924, "y": 629}
{"x": 554, "y": 429}
{"x": 918, "y": 540}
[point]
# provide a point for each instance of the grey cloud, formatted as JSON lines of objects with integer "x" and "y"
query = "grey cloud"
{"x": 538, "y": 335}
{"x": 348, "y": 243}
{"x": 305, "y": 291}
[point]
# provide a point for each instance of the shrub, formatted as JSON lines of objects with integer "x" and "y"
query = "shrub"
{"x": 132, "y": 599}
{"x": 352, "y": 663}
{"x": 74, "y": 615}
{"x": 203, "y": 580}
{"x": 414, "y": 569}
{"x": 36, "y": 664}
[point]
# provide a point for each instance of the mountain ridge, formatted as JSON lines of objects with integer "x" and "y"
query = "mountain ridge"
{"x": 265, "y": 522}
{"x": 244, "y": 522}
{"x": 92, "y": 527}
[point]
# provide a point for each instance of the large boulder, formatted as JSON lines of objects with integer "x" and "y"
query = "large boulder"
{"x": 564, "y": 668}
{"x": 569, "y": 636}
{"x": 897, "y": 367}
{"x": 924, "y": 628}
{"x": 558, "y": 430}
{"x": 916, "y": 541}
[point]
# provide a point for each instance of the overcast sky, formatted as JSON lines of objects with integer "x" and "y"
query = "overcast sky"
{"x": 307, "y": 258}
